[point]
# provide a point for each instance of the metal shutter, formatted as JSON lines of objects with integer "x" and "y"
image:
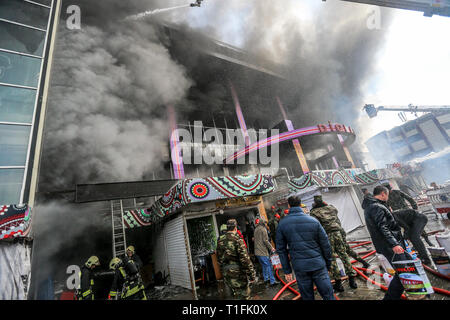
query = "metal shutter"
{"x": 177, "y": 253}
{"x": 160, "y": 254}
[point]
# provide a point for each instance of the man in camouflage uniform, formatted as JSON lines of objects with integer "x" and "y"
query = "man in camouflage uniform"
{"x": 328, "y": 218}
{"x": 350, "y": 251}
{"x": 235, "y": 262}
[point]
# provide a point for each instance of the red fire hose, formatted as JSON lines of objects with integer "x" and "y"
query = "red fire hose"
{"x": 357, "y": 241}
{"x": 298, "y": 293}
{"x": 287, "y": 285}
{"x": 437, "y": 290}
{"x": 361, "y": 244}
{"x": 440, "y": 275}
{"x": 374, "y": 282}
{"x": 284, "y": 283}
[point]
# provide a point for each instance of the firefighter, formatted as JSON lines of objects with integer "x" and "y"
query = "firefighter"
{"x": 133, "y": 288}
{"x": 120, "y": 277}
{"x": 86, "y": 287}
{"x": 131, "y": 254}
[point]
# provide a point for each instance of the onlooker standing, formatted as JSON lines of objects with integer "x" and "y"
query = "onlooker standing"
{"x": 309, "y": 250}
{"x": 386, "y": 235}
{"x": 263, "y": 248}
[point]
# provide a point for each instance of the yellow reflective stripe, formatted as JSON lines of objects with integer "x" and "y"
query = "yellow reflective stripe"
{"x": 92, "y": 282}
{"x": 122, "y": 271}
{"x": 86, "y": 293}
{"x": 130, "y": 292}
{"x": 113, "y": 293}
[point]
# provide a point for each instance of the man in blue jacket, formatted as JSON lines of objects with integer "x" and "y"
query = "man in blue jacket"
{"x": 309, "y": 250}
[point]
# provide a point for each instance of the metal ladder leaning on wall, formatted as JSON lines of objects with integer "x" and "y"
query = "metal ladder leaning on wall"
{"x": 118, "y": 228}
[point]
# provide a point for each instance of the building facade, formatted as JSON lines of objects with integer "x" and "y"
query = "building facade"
{"x": 416, "y": 138}
{"x": 27, "y": 30}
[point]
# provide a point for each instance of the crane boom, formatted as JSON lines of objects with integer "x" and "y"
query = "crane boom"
{"x": 372, "y": 111}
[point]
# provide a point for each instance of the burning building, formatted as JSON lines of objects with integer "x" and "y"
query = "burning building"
{"x": 126, "y": 103}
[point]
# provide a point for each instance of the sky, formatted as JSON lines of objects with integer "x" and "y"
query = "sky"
{"x": 413, "y": 67}
{"x": 413, "y": 64}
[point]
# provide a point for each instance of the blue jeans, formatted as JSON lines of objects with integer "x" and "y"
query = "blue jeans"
{"x": 266, "y": 268}
{"x": 320, "y": 278}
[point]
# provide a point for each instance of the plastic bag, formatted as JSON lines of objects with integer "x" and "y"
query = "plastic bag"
{"x": 275, "y": 259}
{"x": 413, "y": 277}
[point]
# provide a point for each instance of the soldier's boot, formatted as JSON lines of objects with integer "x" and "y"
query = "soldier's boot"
{"x": 337, "y": 287}
{"x": 352, "y": 282}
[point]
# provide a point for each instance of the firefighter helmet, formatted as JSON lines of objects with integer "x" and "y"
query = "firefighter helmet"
{"x": 92, "y": 261}
{"x": 115, "y": 262}
{"x": 223, "y": 228}
{"x": 131, "y": 249}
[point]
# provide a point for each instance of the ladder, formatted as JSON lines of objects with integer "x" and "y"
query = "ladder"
{"x": 118, "y": 228}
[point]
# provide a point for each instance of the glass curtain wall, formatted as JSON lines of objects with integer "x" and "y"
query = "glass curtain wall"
{"x": 23, "y": 32}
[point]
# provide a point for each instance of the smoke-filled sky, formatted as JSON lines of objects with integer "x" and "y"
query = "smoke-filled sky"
{"x": 106, "y": 119}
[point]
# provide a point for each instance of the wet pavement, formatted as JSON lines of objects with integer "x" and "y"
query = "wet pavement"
{"x": 260, "y": 291}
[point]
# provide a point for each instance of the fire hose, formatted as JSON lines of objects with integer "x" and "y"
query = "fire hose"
{"x": 374, "y": 282}
{"x": 436, "y": 289}
{"x": 357, "y": 269}
{"x": 298, "y": 293}
{"x": 356, "y": 241}
{"x": 440, "y": 275}
{"x": 361, "y": 244}
{"x": 288, "y": 286}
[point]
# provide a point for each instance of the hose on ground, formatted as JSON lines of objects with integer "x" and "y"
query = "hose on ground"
{"x": 374, "y": 282}
{"x": 361, "y": 244}
{"x": 440, "y": 275}
{"x": 436, "y": 289}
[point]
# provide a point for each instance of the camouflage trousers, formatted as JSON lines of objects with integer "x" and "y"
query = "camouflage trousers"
{"x": 339, "y": 250}
{"x": 237, "y": 281}
{"x": 352, "y": 253}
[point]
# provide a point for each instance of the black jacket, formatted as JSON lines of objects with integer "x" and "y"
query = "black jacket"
{"x": 366, "y": 201}
{"x": 384, "y": 230}
{"x": 406, "y": 217}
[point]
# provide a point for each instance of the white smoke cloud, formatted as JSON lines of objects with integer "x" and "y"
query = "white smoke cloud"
{"x": 106, "y": 115}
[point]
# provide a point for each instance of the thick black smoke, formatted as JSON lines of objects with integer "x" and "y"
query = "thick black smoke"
{"x": 328, "y": 51}
{"x": 106, "y": 114}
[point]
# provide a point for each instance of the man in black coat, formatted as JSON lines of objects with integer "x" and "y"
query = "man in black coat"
{"x": 413, "y": 223}
{"x": 386, "y": 235}
{"x": 304, "y": 240}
